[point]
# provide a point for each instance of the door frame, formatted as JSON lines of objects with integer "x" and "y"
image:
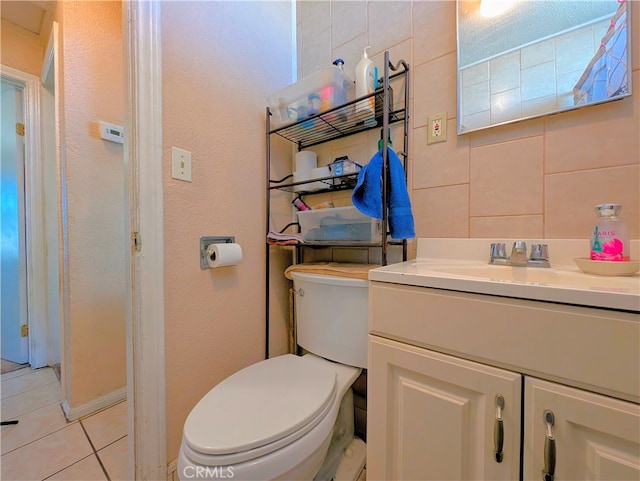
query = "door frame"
{"x": 145, "y": 257}
{"x": 34, "y": 218}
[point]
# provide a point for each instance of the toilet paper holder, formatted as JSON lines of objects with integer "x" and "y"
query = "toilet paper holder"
{"x": 206, "y": 241}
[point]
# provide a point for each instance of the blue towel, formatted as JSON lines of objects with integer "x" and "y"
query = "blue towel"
{"x": 367, "y": 195}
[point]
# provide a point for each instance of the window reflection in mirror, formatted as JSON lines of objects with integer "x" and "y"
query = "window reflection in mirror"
{"x": 519, "y": 59}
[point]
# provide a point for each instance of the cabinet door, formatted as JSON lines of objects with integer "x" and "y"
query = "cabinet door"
{"x": 596, "y": 437}
{"x": 432, "y": 416}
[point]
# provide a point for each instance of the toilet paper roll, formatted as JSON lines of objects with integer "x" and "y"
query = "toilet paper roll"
{"x": 301, "y": 176}
{"x": 306, "y": 160}
{"x": 318, "y": 173}
{"x": 220, "y": 255}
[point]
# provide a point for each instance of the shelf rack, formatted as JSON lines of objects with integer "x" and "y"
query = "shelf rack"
{"x": 336, "y": 123}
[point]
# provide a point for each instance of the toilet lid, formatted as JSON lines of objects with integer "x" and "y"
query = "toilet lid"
{"x": 260, "y": 404}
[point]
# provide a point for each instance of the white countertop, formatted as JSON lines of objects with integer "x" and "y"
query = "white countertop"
{"x": 462, "y": 265}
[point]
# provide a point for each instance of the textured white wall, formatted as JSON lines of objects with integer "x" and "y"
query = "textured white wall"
{"x": 220, "y": 60}
{"x": 93, "y": 90}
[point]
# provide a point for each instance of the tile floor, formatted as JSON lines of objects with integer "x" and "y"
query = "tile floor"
{"x": 43, "y": 445}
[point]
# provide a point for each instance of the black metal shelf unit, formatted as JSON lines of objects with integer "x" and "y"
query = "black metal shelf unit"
{"x": 338, "y": 122}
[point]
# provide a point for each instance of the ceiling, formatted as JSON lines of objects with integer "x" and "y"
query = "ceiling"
{"x": 527, "y": 22}
{"x": 31, "y": 15}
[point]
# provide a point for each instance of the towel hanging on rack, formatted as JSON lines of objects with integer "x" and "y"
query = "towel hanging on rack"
{"x": 367, "y": 195}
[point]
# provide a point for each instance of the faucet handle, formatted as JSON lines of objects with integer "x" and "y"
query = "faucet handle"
{"x": 539, "y": 252}
{"x": 498, "y": 251}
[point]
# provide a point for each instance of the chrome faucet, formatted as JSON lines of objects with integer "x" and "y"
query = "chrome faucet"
{"x": 539, "y": 256}
{"x": 519, "y": 254}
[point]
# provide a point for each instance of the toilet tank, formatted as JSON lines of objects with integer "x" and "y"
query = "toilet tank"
{"x": 332, "y": 316}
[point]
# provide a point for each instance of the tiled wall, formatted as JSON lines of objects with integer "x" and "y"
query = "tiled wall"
{"x": 526, "y": 82}
{"x": 534, "y": 179}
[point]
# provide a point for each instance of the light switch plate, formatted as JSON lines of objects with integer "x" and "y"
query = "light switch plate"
{"x": 437, "y": 128}
{"x": 180, "y": 164}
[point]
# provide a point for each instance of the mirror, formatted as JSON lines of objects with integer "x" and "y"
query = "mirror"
{"x": 519, "y": 59}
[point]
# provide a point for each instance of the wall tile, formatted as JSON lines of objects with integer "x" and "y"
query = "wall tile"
{"x": 595, "y": 136}
{"x": 504, "y": 72}
{"x": 571, "y": 197}
{"x": 573, "y": 51}
{"x": 360, "y": 256}
{"x": 506, "y": 178}
{"x": 513, "y": 226}
{"x": 441, "y": 164}
{"x": 505, "y": 133}
{"x": 538, "y": 81}
{"x": 506, "y": 106}
{"x": 350, "y": 52}
{"x": 538, "y": 106}
{"x": 475, "y": 74}
{"x": 476, "y": 98}
{"x": 348, "y": 20}
{"x": 538, "y": 53}
{"x": 434, "y": 84}
{"x": 389, "y": 23}
{"x": 434, "y": 30}
{"x": 442, "y": 211}
{"x": 314, "y": 16}
{"x": 318, "y": 46}
{"x": 475, "y": 121}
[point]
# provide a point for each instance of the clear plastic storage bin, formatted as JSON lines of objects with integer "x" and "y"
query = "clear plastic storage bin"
{"x": 339, "y": 224}
{"x": 316, "y": 93}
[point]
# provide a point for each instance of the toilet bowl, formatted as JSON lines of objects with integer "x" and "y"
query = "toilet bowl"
{"x": 270, "y": 421}
{"x": 274, "y": 420}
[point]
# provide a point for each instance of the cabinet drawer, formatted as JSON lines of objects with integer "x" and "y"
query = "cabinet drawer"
{"x": 592, "y": 349}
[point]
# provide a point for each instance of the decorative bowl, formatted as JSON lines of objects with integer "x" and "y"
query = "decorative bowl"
{"x": 608, "y": 268}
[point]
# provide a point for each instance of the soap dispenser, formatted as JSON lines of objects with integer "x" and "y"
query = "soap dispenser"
{"x": 365, "y": 82}
{"x": 609, "y": 239}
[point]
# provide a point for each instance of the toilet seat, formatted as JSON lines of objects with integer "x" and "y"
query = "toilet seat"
{"x": 259, "y": 410}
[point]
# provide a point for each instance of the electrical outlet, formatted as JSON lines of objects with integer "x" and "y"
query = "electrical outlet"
{"x": 437, "y": 128}
{"x": 180, "y": 164}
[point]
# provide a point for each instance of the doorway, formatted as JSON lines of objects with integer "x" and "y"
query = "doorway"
{"x": 13, "y": 281}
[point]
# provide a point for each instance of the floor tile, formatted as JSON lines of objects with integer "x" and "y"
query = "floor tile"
{"x": 87, "y": 469}
{"x": 115, "y": 459}
{"x": 28, "y": 382}
{"x": 46, "y": 456}
{"x": 107, "y": 426}
{"x": 15, "y": 406}
{"x": 33, "y": 426}
{"x": 19, "y": 372}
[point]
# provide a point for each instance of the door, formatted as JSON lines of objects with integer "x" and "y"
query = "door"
{"x": 434, "y": 417}
{"x": 594, "y": 437}
{"x": 13, "y": 320}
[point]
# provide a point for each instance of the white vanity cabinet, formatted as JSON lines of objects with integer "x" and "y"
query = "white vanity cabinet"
{"x": 438, "y": 358}
{"x": 433, "y": 416}
{"x": 596, "y": 437}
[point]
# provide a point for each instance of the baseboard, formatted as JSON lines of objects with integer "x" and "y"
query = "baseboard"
{"x": 172, "y": 470}
{"x": 91, "y": 407}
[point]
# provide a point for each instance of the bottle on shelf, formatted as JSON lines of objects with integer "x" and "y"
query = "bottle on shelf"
{"x": 365, "y": 84}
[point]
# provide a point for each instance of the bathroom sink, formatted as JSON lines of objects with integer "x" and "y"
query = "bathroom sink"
{"x": 462, "y": 265}
{"x": 561, "y": 276}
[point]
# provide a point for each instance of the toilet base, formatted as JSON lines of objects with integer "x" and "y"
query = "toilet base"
{"x": 353, "y": 461}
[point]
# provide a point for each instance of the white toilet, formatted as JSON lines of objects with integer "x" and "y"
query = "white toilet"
{"x": 274, "y": 420}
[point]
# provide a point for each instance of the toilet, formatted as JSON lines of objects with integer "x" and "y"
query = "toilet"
{"x": 289, "y": 417}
